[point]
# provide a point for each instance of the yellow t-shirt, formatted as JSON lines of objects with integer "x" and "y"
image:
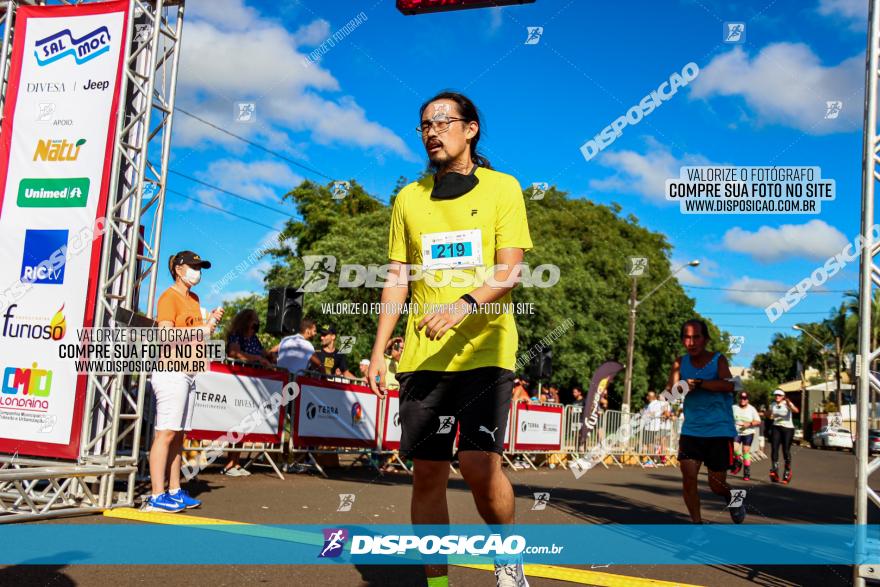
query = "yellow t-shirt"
{"x": 468, "y": 230}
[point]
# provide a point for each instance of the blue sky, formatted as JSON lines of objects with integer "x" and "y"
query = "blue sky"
{"x": 351, "y": 115}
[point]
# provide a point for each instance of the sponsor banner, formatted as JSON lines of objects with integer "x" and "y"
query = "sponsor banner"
{"x": 335, "y": 415}
{"x": 56, "y": 145}
{"x": 598, "y": 386}
{"x": 559, "y": 544}
{"x": 538, "y": 427}
{"x": 391, "y": 437}
{"x": 228, "y": 395}
{"x": 68, "y": 192}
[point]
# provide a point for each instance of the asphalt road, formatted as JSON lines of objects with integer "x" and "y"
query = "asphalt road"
{"x": 821, "y": 492}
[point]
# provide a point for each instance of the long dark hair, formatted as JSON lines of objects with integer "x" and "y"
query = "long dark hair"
{"x": 241, "y": 323}
{"x": 468, "y": 111}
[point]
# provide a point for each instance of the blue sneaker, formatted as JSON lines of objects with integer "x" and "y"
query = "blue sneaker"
{"x": 163, "y": 503}
{"x": 182, "y": 497}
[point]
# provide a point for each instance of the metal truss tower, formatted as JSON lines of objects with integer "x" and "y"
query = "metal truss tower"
{"x": 869, "y": 276}
{"x": 104, "y": 474}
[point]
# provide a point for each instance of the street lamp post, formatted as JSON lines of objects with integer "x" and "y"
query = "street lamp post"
{"x": 631, "y": 339}
{"x": 837, "y": 366}
{"x": 823, "y": 351}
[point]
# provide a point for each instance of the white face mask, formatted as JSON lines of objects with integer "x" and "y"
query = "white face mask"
{"x": 193, "y": 276}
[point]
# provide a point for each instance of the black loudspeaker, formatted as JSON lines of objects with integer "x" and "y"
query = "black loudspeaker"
{"x": 541, "y": 366}
{"x": 285, "y": 311}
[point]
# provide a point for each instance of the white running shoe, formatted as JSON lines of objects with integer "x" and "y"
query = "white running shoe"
{"x": 232, "y": 472}
{"x": 510, "y": 575}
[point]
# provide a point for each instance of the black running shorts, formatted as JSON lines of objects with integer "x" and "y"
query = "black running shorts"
{"x": 433, "y": 404}
{"x": 716, "y": 451}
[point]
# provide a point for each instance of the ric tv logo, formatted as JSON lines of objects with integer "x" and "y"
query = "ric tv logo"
{"x": 43, "y": 259}
{"x": 62, "y": 44}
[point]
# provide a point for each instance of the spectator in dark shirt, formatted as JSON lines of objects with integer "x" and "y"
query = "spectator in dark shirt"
{"x": 332, "y": 361}
{"x": 242, "y": 343}
{"x": 577, "y": 395}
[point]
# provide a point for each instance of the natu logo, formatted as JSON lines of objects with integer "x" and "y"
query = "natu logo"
{"x": 58, "y": 46}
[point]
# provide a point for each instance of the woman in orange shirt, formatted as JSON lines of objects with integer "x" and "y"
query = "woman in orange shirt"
{"x": 178, "y": 307}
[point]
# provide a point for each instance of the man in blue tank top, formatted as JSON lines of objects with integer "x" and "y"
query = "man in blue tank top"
{"x": 708, "y": 431}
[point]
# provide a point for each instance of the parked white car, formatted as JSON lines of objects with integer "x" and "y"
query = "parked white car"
{"x": 833, "y": 437}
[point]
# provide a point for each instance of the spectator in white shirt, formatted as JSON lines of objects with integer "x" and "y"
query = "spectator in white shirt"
{"x": 295, "y": 353}
{"x": 654, "y": 414}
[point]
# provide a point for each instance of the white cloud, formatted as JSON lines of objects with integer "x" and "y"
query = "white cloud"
{"x": 814, "y": 240}
{"x": 750, "y": 297}
{"x": 229, "y": 296}
{"x": 496, "y": 18}
{"x": 694, "y": 275}
{"x": 226, "y": 14}
{"x": 223, "y": 61}
{"x": 785, "y": 83}
{"x": 258, "y": 271}
{"x": 313, "y": 33}
{"x": 643, "y": 174}
{"x": 689, "y": 277}
{"x": 854, "y": 11}
{"x": 261, "y": 180}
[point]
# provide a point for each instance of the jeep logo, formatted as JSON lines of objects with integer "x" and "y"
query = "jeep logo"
{"x": 93, "y": 85}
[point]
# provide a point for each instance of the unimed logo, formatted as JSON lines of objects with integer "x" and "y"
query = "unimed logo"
{"x": 61, "y": 44}
{"x": 334, "y": 542}
{"x": 38, "y": 262}
{"x": 68, "y": 192}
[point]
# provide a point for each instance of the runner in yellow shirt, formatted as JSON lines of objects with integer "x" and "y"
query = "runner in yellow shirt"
{"x": 459, "y": 235}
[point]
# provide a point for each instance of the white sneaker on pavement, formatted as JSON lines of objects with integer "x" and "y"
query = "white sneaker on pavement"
{"x": 510, "y": 575}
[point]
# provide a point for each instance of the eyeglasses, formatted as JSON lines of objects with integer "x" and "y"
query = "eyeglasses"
{"x": 440, "y": 126}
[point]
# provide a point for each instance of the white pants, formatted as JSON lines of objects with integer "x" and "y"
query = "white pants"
{"x": 175, "y": 400}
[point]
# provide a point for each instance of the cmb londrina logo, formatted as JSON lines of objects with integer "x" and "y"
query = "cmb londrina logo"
{"x": 67, "y": 192}
{"x": 62, "y": 44}
{"x": 26, "y": 388}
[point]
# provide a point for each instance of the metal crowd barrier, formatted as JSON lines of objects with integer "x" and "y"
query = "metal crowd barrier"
{"x": 621, "y": 439}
